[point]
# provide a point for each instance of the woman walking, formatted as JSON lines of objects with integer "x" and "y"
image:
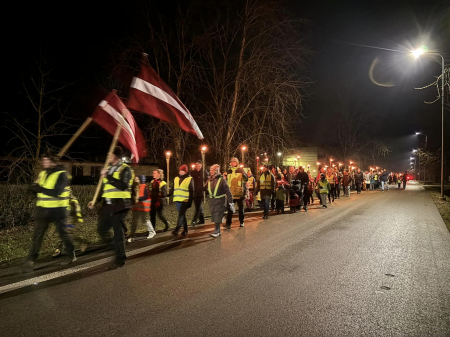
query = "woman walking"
{"x": 158, "y": 195}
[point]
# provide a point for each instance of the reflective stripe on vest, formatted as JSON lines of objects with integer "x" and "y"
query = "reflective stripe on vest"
{"x": 49, "y": 182}
{"x": 142, "y": 206}
{"x": 323, "y": 186}
{"x": 265, "y": 184}
{"x": 215, "y": 196}
{"x": 110, "y": 192}
{"x": 181, "y": 192}
{"x": 251, "y": 182}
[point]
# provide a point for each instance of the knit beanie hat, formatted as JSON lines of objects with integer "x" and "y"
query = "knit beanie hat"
{"x": 184, "y": 168}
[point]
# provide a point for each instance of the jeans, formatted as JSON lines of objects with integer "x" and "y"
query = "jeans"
{"x": 198, "y": 210}
{"x": 372, "y": 186}
{"x": 141, "y": 217}
{"x": 338, "y": 190}
{"x": 347, "y": 190}
{"x": 158, "y": 211}
{"x": 182, "y": 207}
{"x": 45, "y": 216}
{"x": 240, "y": 204}
{"x": 331, "y": 193}
{"x": 107, "y": 220}
{"x": 383, "y": 184}
{"x": 266, "y": 206}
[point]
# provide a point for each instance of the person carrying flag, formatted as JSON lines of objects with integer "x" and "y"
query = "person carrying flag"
{"x": 117, "y": 180}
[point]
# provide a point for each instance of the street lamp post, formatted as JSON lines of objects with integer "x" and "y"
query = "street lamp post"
{"x": 257, "y": 167}
{"x": 417, "y": 53}
{"x": 279, "y": 158}
{"x": 243, "y": 148}
{"x": 168, "y": 154}
{"x": 203, "y": 150}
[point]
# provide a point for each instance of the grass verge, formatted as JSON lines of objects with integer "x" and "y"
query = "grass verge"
{"x": 442, "y": 206}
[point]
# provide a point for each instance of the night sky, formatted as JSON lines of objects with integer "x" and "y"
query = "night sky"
{"x": 79, "y": 37}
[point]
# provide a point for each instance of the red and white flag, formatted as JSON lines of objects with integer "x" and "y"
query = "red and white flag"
{"x": 149, "y": 94}
{"x": 111, "y": 112}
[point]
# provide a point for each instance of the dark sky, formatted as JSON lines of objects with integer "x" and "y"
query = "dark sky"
{"x": 79, "y": 36}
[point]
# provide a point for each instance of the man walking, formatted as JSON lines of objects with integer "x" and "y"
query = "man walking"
{"x": 290, "y": 176}
{"x": 53, "y": 193}
{"x": 359, "y": 180}
{"x": 266, "y": 186}
{"x": 199, "y": 181}
{"x": 236, "y": 180}
{"x": 219, "y": 197}
{"x": 116, "y": 196}
{"x": 183, "y": 194}
{"x": 304, "y": 181}
{"x": 384, "y": 180}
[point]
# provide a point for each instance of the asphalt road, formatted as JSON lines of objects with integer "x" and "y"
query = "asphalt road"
{"x": 375, "y": 264}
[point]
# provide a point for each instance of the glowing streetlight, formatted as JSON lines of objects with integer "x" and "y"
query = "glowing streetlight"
{"x": 202, "y": 151}
{"x": 243, "y": 148}
{"x": 257, "y": 164}
{"x": 193, "y": 166}
{"x": 417, "y": 53}
{"x": 168, "y": 154}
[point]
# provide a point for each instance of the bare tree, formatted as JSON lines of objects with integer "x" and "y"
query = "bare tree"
{"x": 33, "y": 130}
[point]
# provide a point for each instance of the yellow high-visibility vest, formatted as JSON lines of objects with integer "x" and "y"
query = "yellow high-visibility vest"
{"x": 323, "y": 186}
{"x": 251, "y": 182}
{"x": 110, "y": 192}
{"x": 181, "y": 192}
{"x": 236, "y": 183}
{"x": 49, "y": 182}
{"x": 265, "y": 184}
{"x": 214, "y": 195}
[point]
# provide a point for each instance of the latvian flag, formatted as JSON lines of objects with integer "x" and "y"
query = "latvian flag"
{"x": 111, "y": 112}
{"x": 149, "y": 94}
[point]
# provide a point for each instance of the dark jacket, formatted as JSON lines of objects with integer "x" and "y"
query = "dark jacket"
{"x": 290, "y": 176}
{"x": 359, "y": 177}
{"x": 199, "y": 182}
{"x": 384, "y": 176}
{"x": 266, "y": 193}
{"x": 346, "y": 180}
{"x": 303, "y": 177}
{"x": 218, "y": 204}
{"x": 61, "y": 183}
{"x": 117, "y": 205}
{"x": 157, "y": 193}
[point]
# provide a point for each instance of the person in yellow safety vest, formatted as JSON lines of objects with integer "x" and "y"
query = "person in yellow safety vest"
{"x": 183, "y": 194}
{"x": 251, "y": 188}
{"x": 266, "y": 187}
{"x": 219, "y": 196}
{"x": 376, "y": 180}
{"x": 141, "y": 208}
{"x": 116, "y": 195}
{"x": 236, "y": 180}
{"x": 53, "y": 191}
{"x": 324, "y": 189}
{"x": 158, "y": 195}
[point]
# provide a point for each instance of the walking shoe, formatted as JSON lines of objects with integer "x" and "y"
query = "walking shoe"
{"x": 175, "y": 233}
{"x": 116, "y": 265}
{"x": 228, "y": 226}
{"x": 214, "y": 235}
{"x": 193, "y": 223}
{"x": 151, "y": 235}
{"x": 28, "y": 267}
{"x": 242, "y": 225}
{"x": 323, "y": 206}
{"x": 201, "y": 222}
{"x": 326, "y": 206}
{"x": 130, "y": 240}
{"x": 57, "y": 253}
{"x": 184, "y": 233}
{"x": 69, "y": 259}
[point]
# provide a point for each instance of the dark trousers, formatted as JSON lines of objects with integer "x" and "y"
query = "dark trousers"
{"x": 287, "y": 194}
{"x": 318, "y": 196}
{"x": 116, "y": 221}
{"x": 45, "y": 216}
{"x": 338, "y": 190}
{"x": 198, "y": 215}
{"x": 266, "y": 206}
{"x": 358, "y": 187}
{"x": 159, "y": 211}
{"x": 280, "y": 206}
{"x": 331, "y": 194}
{"x": 272, "y": 201}
{"x": 240, "y": 204}
{"x": 182, "y": 207}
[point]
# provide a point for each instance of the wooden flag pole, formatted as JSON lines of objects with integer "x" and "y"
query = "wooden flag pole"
{"x": 75, "y": 136}
{"x": 105, "y": 166}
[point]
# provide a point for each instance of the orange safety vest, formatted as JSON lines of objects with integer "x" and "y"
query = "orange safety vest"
{"x": 142, "y": 206}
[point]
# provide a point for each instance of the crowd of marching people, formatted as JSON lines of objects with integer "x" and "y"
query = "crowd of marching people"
{"x": 271, "y": 189}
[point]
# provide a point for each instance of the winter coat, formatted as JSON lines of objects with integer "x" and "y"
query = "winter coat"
{"x": 346, "y": 180}
{"x": 359, "y": 178}
{"x": 266, "y": 193}
{"x": 199, "y": 180}
{"x": 384, "y": 176}
{"x": 218, "y": 205}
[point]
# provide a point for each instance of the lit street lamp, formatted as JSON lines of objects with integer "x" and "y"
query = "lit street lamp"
{"x": 168, "y": 154}
{"x": 243, "y": 148}
{"x": 202, "y": 151}
{"x": 416, "y": 54}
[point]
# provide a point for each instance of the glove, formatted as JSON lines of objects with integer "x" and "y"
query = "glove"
{"x": 232, "y": 208}
{"x": 35, "y": 188}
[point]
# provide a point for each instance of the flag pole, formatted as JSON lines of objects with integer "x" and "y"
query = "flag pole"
{"x": 75, "y": 136}
{"x": 105, "y": 166}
